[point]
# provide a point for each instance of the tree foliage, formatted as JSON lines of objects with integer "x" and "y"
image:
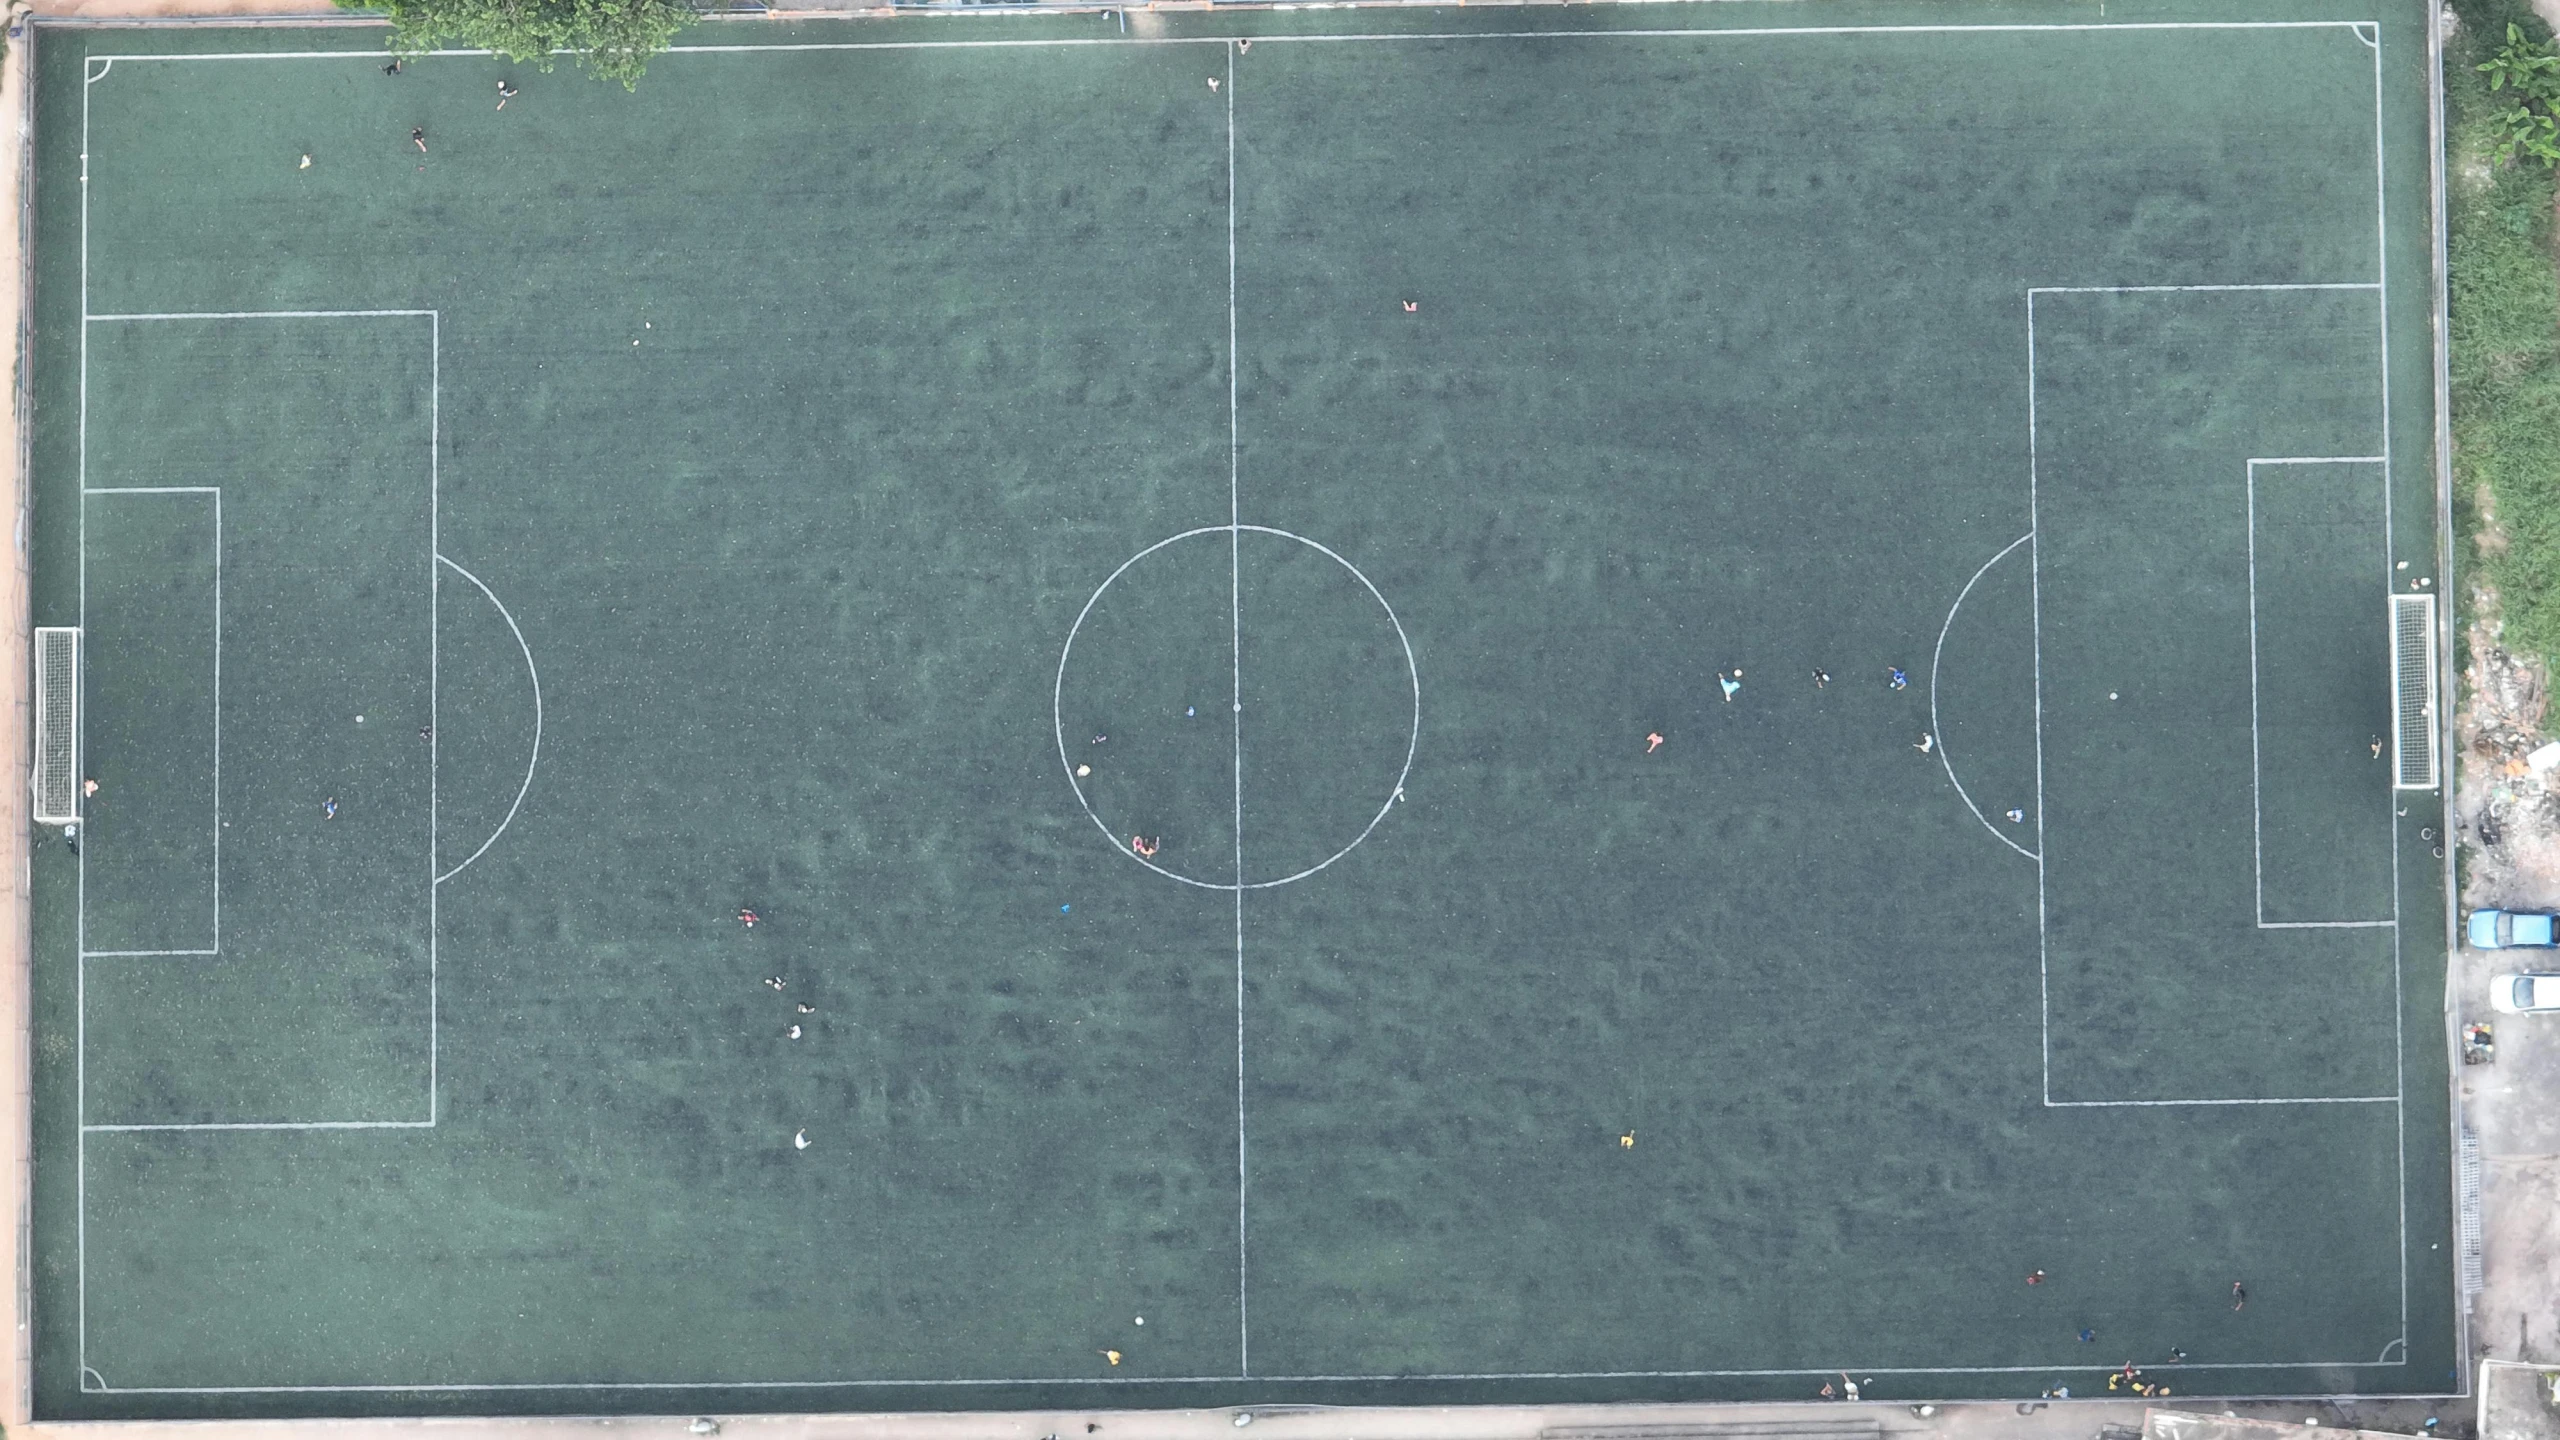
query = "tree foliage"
{"x": 612, "y": 39}
{"x": 2526, "y": 75}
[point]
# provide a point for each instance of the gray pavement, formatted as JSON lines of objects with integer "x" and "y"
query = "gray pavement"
{"x": 2512, "y": 1107}
{"x": 2516, "y": 1403}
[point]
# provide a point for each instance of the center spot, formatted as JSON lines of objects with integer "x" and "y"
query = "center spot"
{"x": 1245, "y": 675}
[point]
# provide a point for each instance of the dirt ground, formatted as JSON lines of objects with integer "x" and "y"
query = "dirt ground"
{"x": 2507, "y": 817}
{"x": 15, "y": 618}
{"x": 2507, "y": 812}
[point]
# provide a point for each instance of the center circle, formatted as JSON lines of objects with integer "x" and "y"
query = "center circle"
{"x": 1237, "y": 707}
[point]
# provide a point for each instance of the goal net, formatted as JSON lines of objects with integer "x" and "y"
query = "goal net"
{"x": 2413, "y": 692}
{"x": 57, "y": 727}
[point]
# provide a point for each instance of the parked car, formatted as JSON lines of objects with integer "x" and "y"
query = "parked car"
{"x": 2524, "y": 994}
{"x": 2505, "y": 929}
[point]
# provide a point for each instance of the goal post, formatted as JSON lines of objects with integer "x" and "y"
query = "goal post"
{"x": 57, "y": 725}
{"x": 2413, "y": 692}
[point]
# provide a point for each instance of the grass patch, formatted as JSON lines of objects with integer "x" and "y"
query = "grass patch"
{"x": 2505, "y": 343}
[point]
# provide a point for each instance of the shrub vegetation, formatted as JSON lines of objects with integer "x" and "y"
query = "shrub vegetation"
{"x": 2502, "y": 82}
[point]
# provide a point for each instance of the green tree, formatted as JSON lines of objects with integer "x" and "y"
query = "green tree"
{"x": 613, "y": 39}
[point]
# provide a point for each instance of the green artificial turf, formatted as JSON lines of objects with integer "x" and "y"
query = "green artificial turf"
{"x": 1403, "y": 430}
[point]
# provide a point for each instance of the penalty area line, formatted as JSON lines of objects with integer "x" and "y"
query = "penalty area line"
{"x": 2173, "y": 1104}
{"x": 263, "y": 1125}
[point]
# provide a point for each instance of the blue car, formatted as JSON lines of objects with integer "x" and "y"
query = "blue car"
{"x": 2505, "y": 929}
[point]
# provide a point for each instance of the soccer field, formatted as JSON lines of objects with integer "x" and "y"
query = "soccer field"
{"x": 1418, "y": 706}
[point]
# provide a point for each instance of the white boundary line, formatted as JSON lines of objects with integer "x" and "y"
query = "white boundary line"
{"x": 80, "y": 872}
{"x": 2035, "y": 644}
{"x": 87, "y": 954}
{"x": 2257, "y": 823}
{"x": 264, "y": 1125}
{"x": 2390, "y": 547}
{"x": 2441, "y": 554}
{"x": 1937, "y": 654}
{"x": 2189, "y": 289}
{"x": 1235, "y": 641}
{"x": 531, "y": 760}
{"x": 2210, "y": 1104}
{"x": 1105, "y": 1381}
{"x": 435, "y": 693}
{"x": 255, "y": 315}
{"x": 2327, "y": 924}
{"x": 2366, "y": 32}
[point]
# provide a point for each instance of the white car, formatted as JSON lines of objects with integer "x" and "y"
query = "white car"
{"x": 2524, "y": 994}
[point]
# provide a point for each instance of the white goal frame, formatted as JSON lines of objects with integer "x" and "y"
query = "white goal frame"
{"x": 56, "y": 741}
{"x": 2413, "y": 693}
